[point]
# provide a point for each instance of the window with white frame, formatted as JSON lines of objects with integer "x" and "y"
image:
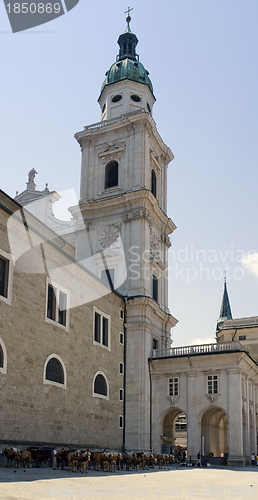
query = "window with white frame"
{"x": 100, "y": 386}
{"x": 57, "y": 304}
{"x": 121, "y": 337}
{"x": 54, "y": 371}
{"x": 6, "y": 271}
{"x": 213, "y": 384}
{"x": 121, "y": 368}
{"x": 3, "y": 357}
{"x": 173, "y": 386}
{"x": 121, "y": 395}
{"x": 101, "y": 329}
{"x": 121, "y": 422}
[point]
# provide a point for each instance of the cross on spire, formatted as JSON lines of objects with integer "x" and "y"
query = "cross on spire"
{"x": 128, "y": 17}
{"x": 128, "y": 11}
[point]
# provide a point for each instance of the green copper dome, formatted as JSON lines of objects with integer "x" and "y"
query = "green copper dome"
{"x": 127, "y": 65}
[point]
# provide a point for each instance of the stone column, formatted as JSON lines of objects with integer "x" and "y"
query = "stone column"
{"x": 193, "y": 432}
{"x": 235, "y": 426}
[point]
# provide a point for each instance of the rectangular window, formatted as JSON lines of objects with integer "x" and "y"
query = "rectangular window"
{"x": 6, "y": 277}
{"x": 155, "y": 344}
{"x": 97, "y": 327}
{"x": 213, "y": 384}
{"x": 121, "y": 421}
{"x": 173, "y": 387}
{"x": 101, "y": 329}
{"x": 51, "y": 303}
{"x": 155, "y": 282}
{"x": 57, "y": 304}
{"x": 121, "y": 368}
{"x": 121, "y": 314}
{"x": 242, "y": 337}
{"x": 62, "y": 308}
{"x": 121, "y": 338}
{"x": 121, "y": 395}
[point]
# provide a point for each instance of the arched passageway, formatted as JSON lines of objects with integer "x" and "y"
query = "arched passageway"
{"x": 174, "y": 430}
{"x": 214, "y": 432}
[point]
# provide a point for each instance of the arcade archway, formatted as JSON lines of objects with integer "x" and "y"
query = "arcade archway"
{"x": 214, "y": 431}
{"x": 174, "y": 433}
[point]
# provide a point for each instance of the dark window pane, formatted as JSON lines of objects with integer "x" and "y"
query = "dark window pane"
{"x": 62, "y": 308}
{"x": 4, "y": 270}
{"x": 54, "y": 371}
{"x": 51, "y": 303}
{"x": 100, "y": 386}
{"x": 105, "y": 332}
{"x": 1, "y": 357}
{"x": 111, "y": 174}
{"x": 155, "y": 288}
{"x": 153, "y": 183}
{"x": 97, "y": 327}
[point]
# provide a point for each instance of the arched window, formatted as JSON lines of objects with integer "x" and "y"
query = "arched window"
{"x": 100, "y": 385}
{"x": 111, "y": 174}
{"x": 1, "y": 357}
{"x": 153, "y": 183}
{"x": 54, "y": 371}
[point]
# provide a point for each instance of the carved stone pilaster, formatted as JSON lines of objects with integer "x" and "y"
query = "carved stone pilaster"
{"x": 165, "y": 239}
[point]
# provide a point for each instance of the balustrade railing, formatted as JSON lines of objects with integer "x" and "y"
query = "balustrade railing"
{"x": 197, "y": 349}
{"x": 105, "y": 123}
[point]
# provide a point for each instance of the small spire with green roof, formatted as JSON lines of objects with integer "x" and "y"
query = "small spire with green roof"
{"x": 225, "y": 310}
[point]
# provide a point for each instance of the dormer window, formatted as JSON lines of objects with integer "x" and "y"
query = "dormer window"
{"x": 111, "y": 174}
{"x": 153, "y": 183}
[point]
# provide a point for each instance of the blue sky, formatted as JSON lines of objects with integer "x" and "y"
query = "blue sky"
{"x": 202, "y": 59}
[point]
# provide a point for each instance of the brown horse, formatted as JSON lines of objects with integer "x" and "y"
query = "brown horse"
{"x": 12, "y": 454}
{"x": 26, "y": 457}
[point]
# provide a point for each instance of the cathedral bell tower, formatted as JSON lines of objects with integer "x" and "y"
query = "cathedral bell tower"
{"x": 123, "y": 204}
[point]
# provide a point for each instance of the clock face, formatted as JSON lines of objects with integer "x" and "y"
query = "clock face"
{"x": 108, "y": 237}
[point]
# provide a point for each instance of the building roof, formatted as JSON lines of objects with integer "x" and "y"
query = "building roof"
{"x": 127, "y": 65}
{"x": 225, "y": 310}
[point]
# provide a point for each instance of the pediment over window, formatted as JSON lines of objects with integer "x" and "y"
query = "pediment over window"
{"x": 111, "y": 150}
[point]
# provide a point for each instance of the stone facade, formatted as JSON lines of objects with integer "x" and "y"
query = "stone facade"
{"x": 34, "y": 410}
{"x": 218, "y": 392}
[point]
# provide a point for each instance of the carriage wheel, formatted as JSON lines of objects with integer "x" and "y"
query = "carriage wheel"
{"x": 38, "y": 463}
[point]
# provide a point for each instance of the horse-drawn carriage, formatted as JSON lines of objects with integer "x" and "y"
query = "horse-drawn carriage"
{"x": 41, "y": 455}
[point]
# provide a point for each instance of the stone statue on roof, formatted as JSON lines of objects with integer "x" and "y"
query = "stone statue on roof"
{"x": 31, "y": 175}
